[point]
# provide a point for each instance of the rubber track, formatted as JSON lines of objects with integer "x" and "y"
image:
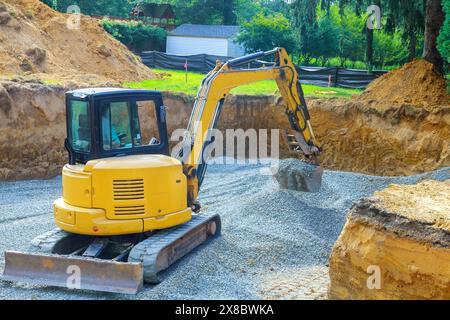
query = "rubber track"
{"x": 148, "y": 250}
{"x": 46, "y": 242}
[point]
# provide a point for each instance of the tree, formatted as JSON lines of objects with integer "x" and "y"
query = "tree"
{"x": 351, "y": 39}
{"x": 263, "y": 33}
{"x": 305, "y": 21}
{"x": 408, "y": 17}
{"x": 434, "y": 19}
{"x": 358, "y": 7}
{"x": 444, "y": 36}
{"x": 201, "y": 11}
{"x": 117, "y": 8}
{"x": 245, "y": 10}
{"x": 326, "y": 43}
{"x": 405, "y": 16}
{"x": 136, "y": 35}
{"x": 389, "y": 49}
{"x": 229, "y": 16}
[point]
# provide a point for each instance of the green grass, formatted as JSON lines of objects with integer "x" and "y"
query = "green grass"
{"x": 175, "y": 81}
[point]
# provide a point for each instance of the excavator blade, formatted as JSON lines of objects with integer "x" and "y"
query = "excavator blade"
{"x": 73, "y": 272}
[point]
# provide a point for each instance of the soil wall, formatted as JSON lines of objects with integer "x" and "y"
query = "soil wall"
{"x": 355, "y": 135}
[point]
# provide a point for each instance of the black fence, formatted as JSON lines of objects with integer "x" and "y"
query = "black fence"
{"x": 203, "y": 63}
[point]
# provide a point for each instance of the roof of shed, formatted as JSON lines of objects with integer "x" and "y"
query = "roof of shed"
{"x": 207, "y": 31}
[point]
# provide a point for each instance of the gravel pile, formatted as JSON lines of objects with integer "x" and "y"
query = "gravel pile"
{"x": 267, "y": 233}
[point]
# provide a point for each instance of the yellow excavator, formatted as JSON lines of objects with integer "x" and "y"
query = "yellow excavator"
{"x": 128, "y": 209}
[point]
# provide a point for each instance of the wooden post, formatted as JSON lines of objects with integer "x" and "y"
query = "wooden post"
{"x": 336, "y": 80}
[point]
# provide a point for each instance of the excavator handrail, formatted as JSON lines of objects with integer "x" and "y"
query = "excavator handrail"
{"x": 250, "y": 57}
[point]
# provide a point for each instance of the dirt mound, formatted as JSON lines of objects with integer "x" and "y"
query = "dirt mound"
{"x": 415, "y": 83}
{"x": 397, "y": 242}
{"x": 426, "y": 202}
{"x": 34, "y": 39}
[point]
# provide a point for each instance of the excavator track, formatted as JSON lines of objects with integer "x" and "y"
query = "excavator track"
{"x": 55, "y": 239}
{"x": 164, "y": 248}
{"x": 55, "y": 252}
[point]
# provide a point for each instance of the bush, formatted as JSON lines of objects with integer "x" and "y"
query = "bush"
{"x": 267, "y": 32}
{"x": 136, "y": 35}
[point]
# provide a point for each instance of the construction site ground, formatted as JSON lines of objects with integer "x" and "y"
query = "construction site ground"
{"x": 275, "y": 244}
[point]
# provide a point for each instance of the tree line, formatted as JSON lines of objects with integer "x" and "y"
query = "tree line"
{"x": 316, "y": 32}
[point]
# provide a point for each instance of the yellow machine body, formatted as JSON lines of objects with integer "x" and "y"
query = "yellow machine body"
{"x": 140, "y": 193}
{"x": 123, "y": 195}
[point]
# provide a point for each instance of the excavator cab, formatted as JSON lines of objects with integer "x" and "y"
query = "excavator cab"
{"x": 110, "y": 122}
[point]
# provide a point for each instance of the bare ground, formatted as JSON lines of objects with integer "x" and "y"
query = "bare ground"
{"x": 275, "y": 243}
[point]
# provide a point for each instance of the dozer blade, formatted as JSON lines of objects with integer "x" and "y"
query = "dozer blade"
{"x": 73, "y": 272}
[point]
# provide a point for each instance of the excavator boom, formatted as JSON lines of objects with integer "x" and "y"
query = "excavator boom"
{"x": 211, "y": 96}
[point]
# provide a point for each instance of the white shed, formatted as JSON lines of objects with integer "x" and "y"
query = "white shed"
{"x": 219, "y": 40}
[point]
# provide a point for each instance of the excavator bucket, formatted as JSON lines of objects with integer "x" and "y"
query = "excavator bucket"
{"x": 312, "y": 180}
{"x": 298, "y": 175}
{"x": 73, "y": 272}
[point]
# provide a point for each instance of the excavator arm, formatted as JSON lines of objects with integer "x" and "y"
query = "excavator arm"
{"x": 211, "y": 96}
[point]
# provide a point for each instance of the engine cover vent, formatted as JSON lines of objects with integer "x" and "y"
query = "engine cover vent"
{"x": 129, "y": 210}
{"x": 129, "y": 189}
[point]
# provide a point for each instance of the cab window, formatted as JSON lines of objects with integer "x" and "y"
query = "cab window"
{"x": 116, "y": 126}
{"x": 80, "y": 129}
{"x": 146, "y": 124}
